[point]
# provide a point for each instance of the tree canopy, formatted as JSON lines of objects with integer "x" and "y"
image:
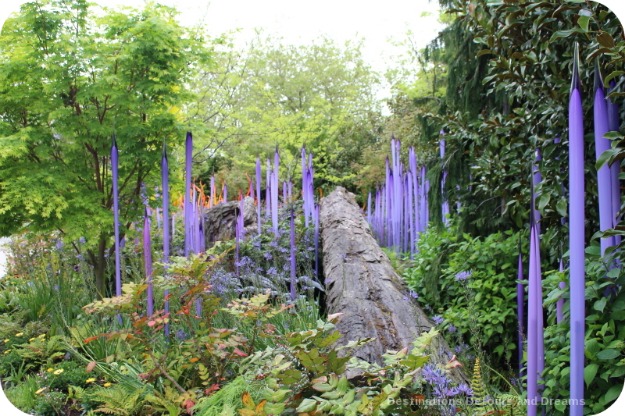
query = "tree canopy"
{"x": 70, "y": 78}
{"x": 321, "y": 96}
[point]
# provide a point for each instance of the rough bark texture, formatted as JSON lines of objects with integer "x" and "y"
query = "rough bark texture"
{"x": 220, "y": 220}
{"x": 363, "y": 286}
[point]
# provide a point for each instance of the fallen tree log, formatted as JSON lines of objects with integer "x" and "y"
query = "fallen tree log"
{"x": 220, "y": 220}
{"x": 362, "y": 285}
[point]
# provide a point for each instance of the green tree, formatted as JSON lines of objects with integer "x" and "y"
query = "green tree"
{"x": 70, "y": 78}
{"x": 321, "y": 96}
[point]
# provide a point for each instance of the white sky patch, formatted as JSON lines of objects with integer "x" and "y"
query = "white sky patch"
{"x": 380, "y": 24}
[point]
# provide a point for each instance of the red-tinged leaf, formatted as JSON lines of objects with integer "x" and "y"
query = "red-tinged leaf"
{"x": 188, "y": 404}
{"x": 90, "y": 339}
{"x": 91, "y": 366}
{"x": 239, "y": 352}
{"x": 194, "y": 360}
{"x": 212, "y": 389}
{"x": 151, "y": 323}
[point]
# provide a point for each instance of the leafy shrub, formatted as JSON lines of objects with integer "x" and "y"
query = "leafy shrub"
{"x": 65, "y": 374}
{"x": 307, "y": 374}
{"x": 471, "y": 283}
{"x": 23, "y": 395}
{"x": 51, "y": 404}
{"x": 604, "y": 372}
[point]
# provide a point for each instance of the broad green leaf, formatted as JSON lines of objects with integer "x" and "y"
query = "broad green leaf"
{"x": 613, "y": 392}
{"x": 608, "y": 354}
{"x": 590, "y": 372}
{"x": 583, "y": 21}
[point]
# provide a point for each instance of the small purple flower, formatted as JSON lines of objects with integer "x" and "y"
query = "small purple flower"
{"x": 267, "y": 255}
{"x": 465, "y": 389}
{"x": 272, "y": 271}
{"x": 459, "y": 349}
{"x": 451, "y": 328}
{"x": 437, "y": 319}
{"x": 433, "y": 374}
{"x": 449, "y": 391}
{"x": 437, "y": 378}
{"x": 411, "y": 295}
{"x": 181, "y": 335}
{"x": 464, "y": 275}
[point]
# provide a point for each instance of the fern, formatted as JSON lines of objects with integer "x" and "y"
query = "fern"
{"x": 118, "y": 400}
{"x": 162, "y": 405}
{"x": 477, "y": 385}
{"x": 226, "y": 401}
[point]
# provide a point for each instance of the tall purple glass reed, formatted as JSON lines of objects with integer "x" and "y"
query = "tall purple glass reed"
{"x": 115, "y": 174}
{"x": 166, "y": 222}
{"x": 576, "y": 241}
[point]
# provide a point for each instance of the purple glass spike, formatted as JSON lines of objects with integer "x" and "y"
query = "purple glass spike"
{"x": 293, "y": 282}
{"x": 147, "y": 261}
{"x": 560, "y": 302}
{"x": 115, "y": 174}
{"x": 275, "y": 190}
{"x": 258, "y": 180}
{"x": 166, "y": 223}
{"x": 604, "y": 175}
{"x": 188, "y": 203}
{"x": 535, "y": 334}
{"x": 615, "y": 169}
{"x": 268, "y": 192}
{"x": 520, "y": 306}
{"x": 412, "y": 235}
{"x": 238, "y": 236}
{"x": 445, "y": 203}
{"x": 576, "y": 241}
{"x": 316, "y": 238}
{"x": 536, "y": 179}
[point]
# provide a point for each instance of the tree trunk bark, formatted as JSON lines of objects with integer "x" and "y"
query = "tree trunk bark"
{"x": 220, "y": 220}
{"x": 363, "y": 286}
{"x": 98, "y": 261}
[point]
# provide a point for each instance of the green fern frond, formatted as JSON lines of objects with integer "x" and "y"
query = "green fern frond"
{"x": 477, "y": 385}
{"x": 227, "y": 400}
{"x": 118, "y": 400}
{"x": 163, "y": 405}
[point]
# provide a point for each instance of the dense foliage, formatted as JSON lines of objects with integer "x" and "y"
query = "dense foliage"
{"x": 70, "y": 78}
{"x": 494, "y": 84}
{"x": 321, "y": 96}
{"x": 468, "y": 286}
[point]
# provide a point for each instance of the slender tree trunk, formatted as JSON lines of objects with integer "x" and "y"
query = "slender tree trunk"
{"x": 98, "y": 262}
